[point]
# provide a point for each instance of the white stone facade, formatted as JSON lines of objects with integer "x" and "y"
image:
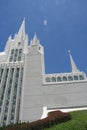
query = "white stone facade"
{"x": 25, "y": 88}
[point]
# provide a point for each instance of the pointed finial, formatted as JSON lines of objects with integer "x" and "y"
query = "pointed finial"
{"x": 21, "y": 32}
{"x": 35, "y": 36}
{"x": 10, "y": 37}
{"x": 73, "y": 65}
{"x": 23, "y": 21}
{"x": 35, "y": 40}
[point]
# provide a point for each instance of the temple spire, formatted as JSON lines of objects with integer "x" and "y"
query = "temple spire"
{"x": 35, "y": 40}
{"x": 21, "y": 32}
{"x": 73, "y": 65}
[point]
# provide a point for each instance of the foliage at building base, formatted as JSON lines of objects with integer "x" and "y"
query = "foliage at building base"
{"x": 53, "y": 118}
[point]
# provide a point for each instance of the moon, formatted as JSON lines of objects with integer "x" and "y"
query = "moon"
{"x": 45, "y": 22}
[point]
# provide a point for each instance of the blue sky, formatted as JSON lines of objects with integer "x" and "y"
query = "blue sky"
{"x": 61, "y": 25}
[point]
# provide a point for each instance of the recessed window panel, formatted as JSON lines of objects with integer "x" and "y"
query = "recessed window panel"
{"x": 64, "y": 78}
{"x": 75, "y": 77}
{"x": 59, "y": 79}
{"x": 70, "y": 78}
{"x": 81, "y": 77}
{"x": 53, "y": 79}
{"x": 47, "y": 79}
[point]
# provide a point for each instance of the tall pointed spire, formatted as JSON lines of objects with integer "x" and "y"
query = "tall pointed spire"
{"x": 21, "y": 32}
{"x": 73, "y": 65}
{"x": 35, "y": 40}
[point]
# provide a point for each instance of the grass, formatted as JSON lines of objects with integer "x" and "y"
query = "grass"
{"x": 78, "y": 122}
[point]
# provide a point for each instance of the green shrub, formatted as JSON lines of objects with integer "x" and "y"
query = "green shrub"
{"x": 53, "y": 118}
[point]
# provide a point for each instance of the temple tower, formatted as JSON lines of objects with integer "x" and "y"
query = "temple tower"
{"x": 11, "y": 75}
{"x": 31, "y": 107}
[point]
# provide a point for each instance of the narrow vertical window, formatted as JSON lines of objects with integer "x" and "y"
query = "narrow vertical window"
{"x": 70, "y": 78}
{"x": 75, "y": 77}
{"x": 47, "y": 79}
{"x": 20, "y": 55}
{"x": 59, "y": 79}
{"x": 11, "y": 55}
{"x": 81, "y": 77}
{"x": 53, "y": 79}
{"x": 64, "y": 78}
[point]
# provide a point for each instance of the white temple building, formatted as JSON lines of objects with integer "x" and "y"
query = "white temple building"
{"x": 25, "y": 88}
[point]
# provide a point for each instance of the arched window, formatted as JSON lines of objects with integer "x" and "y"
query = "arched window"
{"x": 47, "y": 79}
{"x": 75, "y": 77}
{"x": 64, "y": 78}
{"x": 20, "y": 54}
{"x": 70, "y": 78}
{"x": 15, "y": 54}
{"x": 12, "y": 51}
{"x": 16, "y": 51}
{"x": 19, "y": 43}
{"x": 11, "y": 56}
{"x": 81, "y": 77}
{"x": 39, "y": 48}
{"x": 59, "y": 79}
{"x": 53, "y": 79}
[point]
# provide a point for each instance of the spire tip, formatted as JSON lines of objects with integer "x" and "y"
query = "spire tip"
{"x": 24, "y": 20}
{"x": 69, "y": 51}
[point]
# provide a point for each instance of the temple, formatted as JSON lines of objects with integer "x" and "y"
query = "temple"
{"x": 25, "y": 88}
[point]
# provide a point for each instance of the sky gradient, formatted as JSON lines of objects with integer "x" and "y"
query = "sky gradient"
{"x": 60, "y": 25}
